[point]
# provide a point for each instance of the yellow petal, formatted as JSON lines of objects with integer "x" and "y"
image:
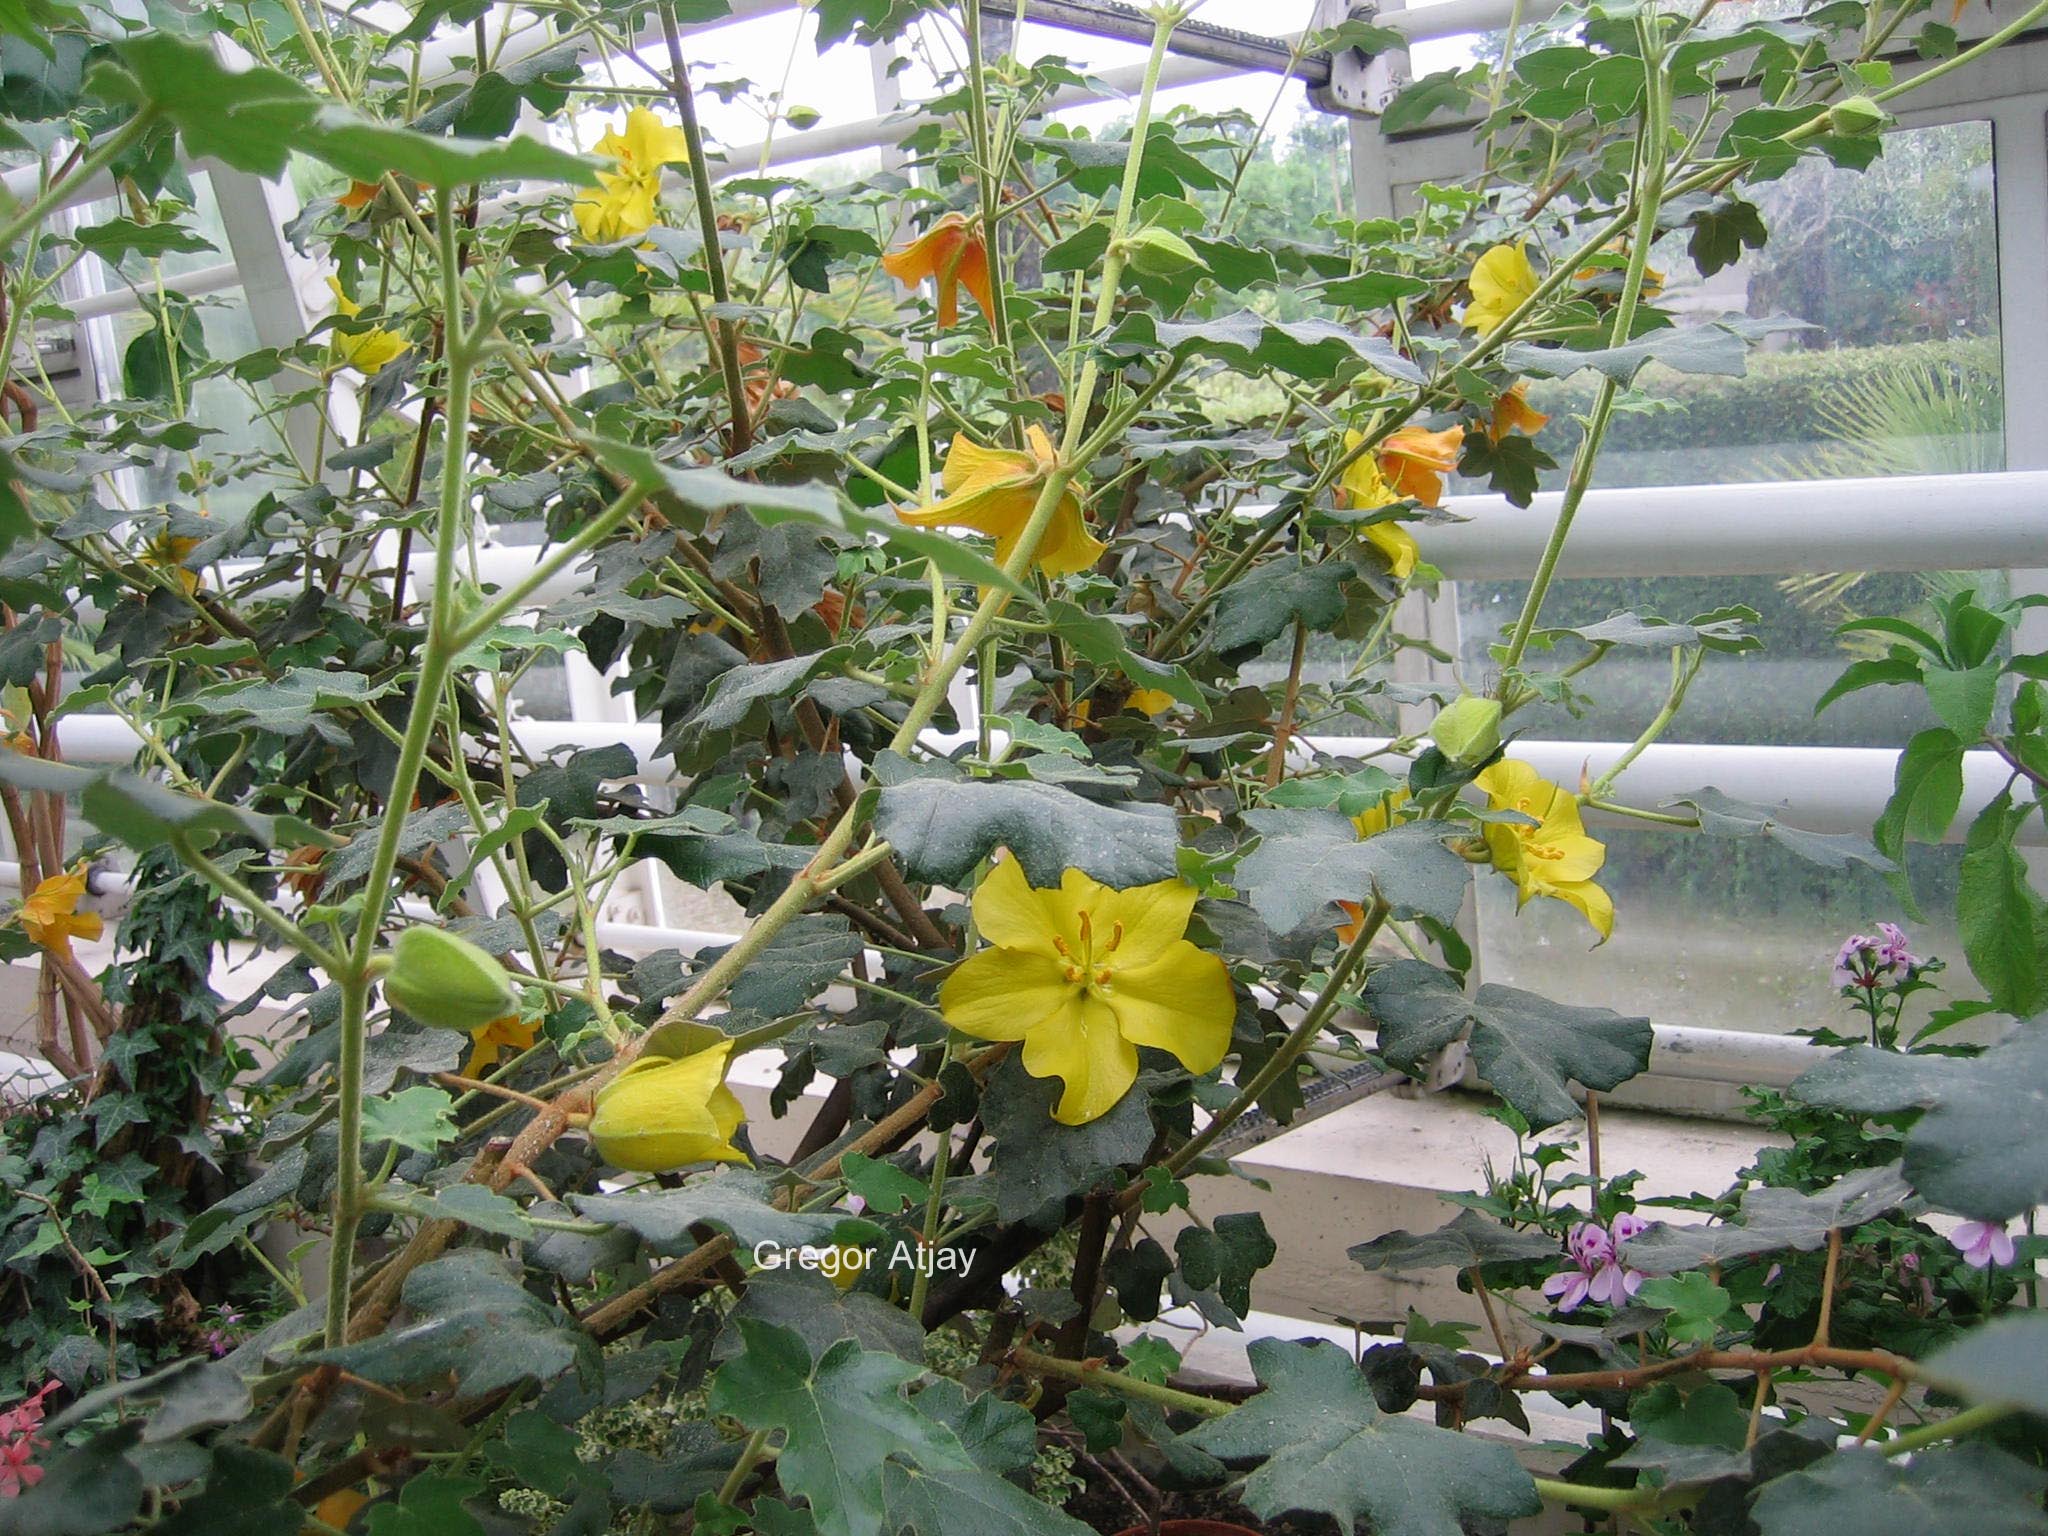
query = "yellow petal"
{"x": 1067, "y": 547}
{"x": 1363, "y": 485}
{"x": 1501, "y": 279}
{"x": 667, "y": 1112}
{"x": 1009, "y": 912}
{"x": 1150, "y": 701}
{"x": 1083, "y": 1047}
{"x": 1004, "y": 994}
{"x": 651, "y": 142}
{"x": 1397, "y": 544}
{"x": 1181, "y": 1002}
{"x": 1593, "y": 902}
{"x": 969, "y": 467}
{"x": 1142, "y": 923}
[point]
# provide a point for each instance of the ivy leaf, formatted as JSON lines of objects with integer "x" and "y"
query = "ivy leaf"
{"x": 1308, "y": 349}
{"x": 1772, "y": 1220}
{"x": 1327, "y": 1448}
{"x": 1694, "y": 1303}
{"x": 1224, "y": 1256}
{"x": 1724, "y": 816}
{"x": 1981, "y": 1148}
{"x": 1722, "y": 231}
{"x": 1307, "y": 859}
{"x": 1513, "y": 466}
{"x": 1528, "y": 1047}
{"x": 843, "y": 1417}
{"x": 1465, "y": 1242}
{"x": 734, "y": 1201}
{"x": 1860, "y": 1490}
{"x": 942, "y": 828}
{"x": 472, "y": 1318}
{"x": 1255, "y": 611}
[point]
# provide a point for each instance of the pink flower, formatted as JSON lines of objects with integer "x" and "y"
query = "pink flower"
{"x": 19, "y": 1443}
{"x": 1885, "y": 960}
{"x": 1596, "y": 1273}
{"x": 1983, "y": 1243}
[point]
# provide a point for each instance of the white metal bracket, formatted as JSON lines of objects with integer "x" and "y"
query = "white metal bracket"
{"x": 1361, "y": 84}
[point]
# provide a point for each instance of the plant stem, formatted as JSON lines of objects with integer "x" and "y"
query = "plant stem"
{"x": 1116, "y": 1381}
{"x": 707, "y": 224}
{"x": 111, "y": 148}
{"x": 1651, "y": 165}
{"x": 1954, "y": 1427}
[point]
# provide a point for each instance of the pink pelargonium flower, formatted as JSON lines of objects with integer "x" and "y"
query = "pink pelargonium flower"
{"x": 19, "y": 1443}
{"x": 1596, "y": 1274}
{"x": 1882, "y": 960}
{"x": 1983, "y": 1243}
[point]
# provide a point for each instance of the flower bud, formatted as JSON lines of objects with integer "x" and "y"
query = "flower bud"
{"x": 1467, "y": 731}
{"x": 666, "y": 1112}
{"x": 446, "y": 981}
{"x": 1161, "y": 253}
{"x": 1858, "y": 117}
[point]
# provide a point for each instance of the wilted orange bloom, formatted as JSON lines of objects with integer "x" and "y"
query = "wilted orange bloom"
{"x": 50, "y": 916}
{"x": 1416, "y": 460}
{"x": 995, "y": 490}
{"x": 360, "y": 194}
{"x": 1513, "y": 413}
{"x": 950, "y": 253}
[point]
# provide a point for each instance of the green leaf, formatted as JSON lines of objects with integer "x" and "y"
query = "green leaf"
{"x": 288, "y": 704}
{"x": 1326, "y": 1448}
{"x": 1224, "y": 1257}
{"x": 2004, "y": 1362}
{"x": 1722, "y": 231}
{"x": 1711, "y": 348}
{"x": 1927, "y": 790}
{"x": 1035, "y": 1162}
{"x": 1963, "y": 697}
{"x": 2002, "y": 920}
{"x": 885, "y": 1188}
{"x": 419, "y": 1118}
{"x": 1308, "y": 859}
{"x": 1981, "y": 1149}
{"x": 807, "y": 956}
{"x": 430, "y": 1504}
{"x": 1255, "y": 610}
{"x": 734, "y": 1201}
{"x": 469, "y": 1316}
{"x": 1873, "y": 672}
{"x": 117, "y": 238}
{"x": 1772, "y": 1220}
{"x": 1859, "y": 1490}
{"x": 811, "y": 1306}
{"x": 1099, "y": 638}
{"x": 1465, "y": 1242}
{"x": 1528, "y": 1047}
{"x": 1696, "y": 1305}
{"x": 1001, "y": 1439}
{"x": 363, "y": 149}
{"x": 1321, "y": 350}
{"x": 1724, "y": 816}
{"x": 942, "y": 828}
{"x": 146, "y": 815}
{"x": 712, "y": 490}
{"x": 475, "y": 1206}
{"x": 251, "y": 119}
{"x": 843, "y": 1418}
{"x": 247, "y": 1493}
{"x": 1729, "y": 631}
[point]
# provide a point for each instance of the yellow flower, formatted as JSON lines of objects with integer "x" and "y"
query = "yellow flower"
{"x": 1150, "y": 701}
{"x": 1415, "y": 462}
{"x": 487, "y": 1041}
{"x": 1084, "y": 974}
{"x": 950, "y": 253}
{"x": 623, "y": 203}
{"x": 1513, "y": 413}
{"x": 365, "y": 351}
{"x": 992, "y": 491}
{"x": 166, "y": 552}
{"x": 1555, "y": 857}
{"x": 665, "y": 1112}
{"x": 50, "y": 916}
{"x": 1501, "y": 280}
{"x": 1364, "y": 488}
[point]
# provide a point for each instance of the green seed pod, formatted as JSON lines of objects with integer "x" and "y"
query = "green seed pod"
{"x": 1161, "y": 253}
{"x": 447, "y": 982}
{"x": 1858, "y": 117}
{"x": 1467, "y": 731}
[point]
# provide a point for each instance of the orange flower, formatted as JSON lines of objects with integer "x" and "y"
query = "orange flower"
{"x": 489, "y": 1039}
{"x": 1513, "y": 413}
{"x": 995, "y": 490}
{"x": 360, "y": 194}
{"x": 50, "y": 916}
{"x": 1415, "y": 461}
{"x": 951, "y": 252}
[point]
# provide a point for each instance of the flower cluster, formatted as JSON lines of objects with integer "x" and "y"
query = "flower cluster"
{"x": 623, "y": 203}
{"x": 1883, "y": 961}
{"x": 1597, "y": 1273}
{"x": 19, "y": 1443}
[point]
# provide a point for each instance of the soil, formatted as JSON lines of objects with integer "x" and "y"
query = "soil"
{"x": 1114, "y": 1512}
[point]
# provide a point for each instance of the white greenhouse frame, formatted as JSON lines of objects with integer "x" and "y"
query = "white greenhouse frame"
{"x": 1991, "y": 521}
